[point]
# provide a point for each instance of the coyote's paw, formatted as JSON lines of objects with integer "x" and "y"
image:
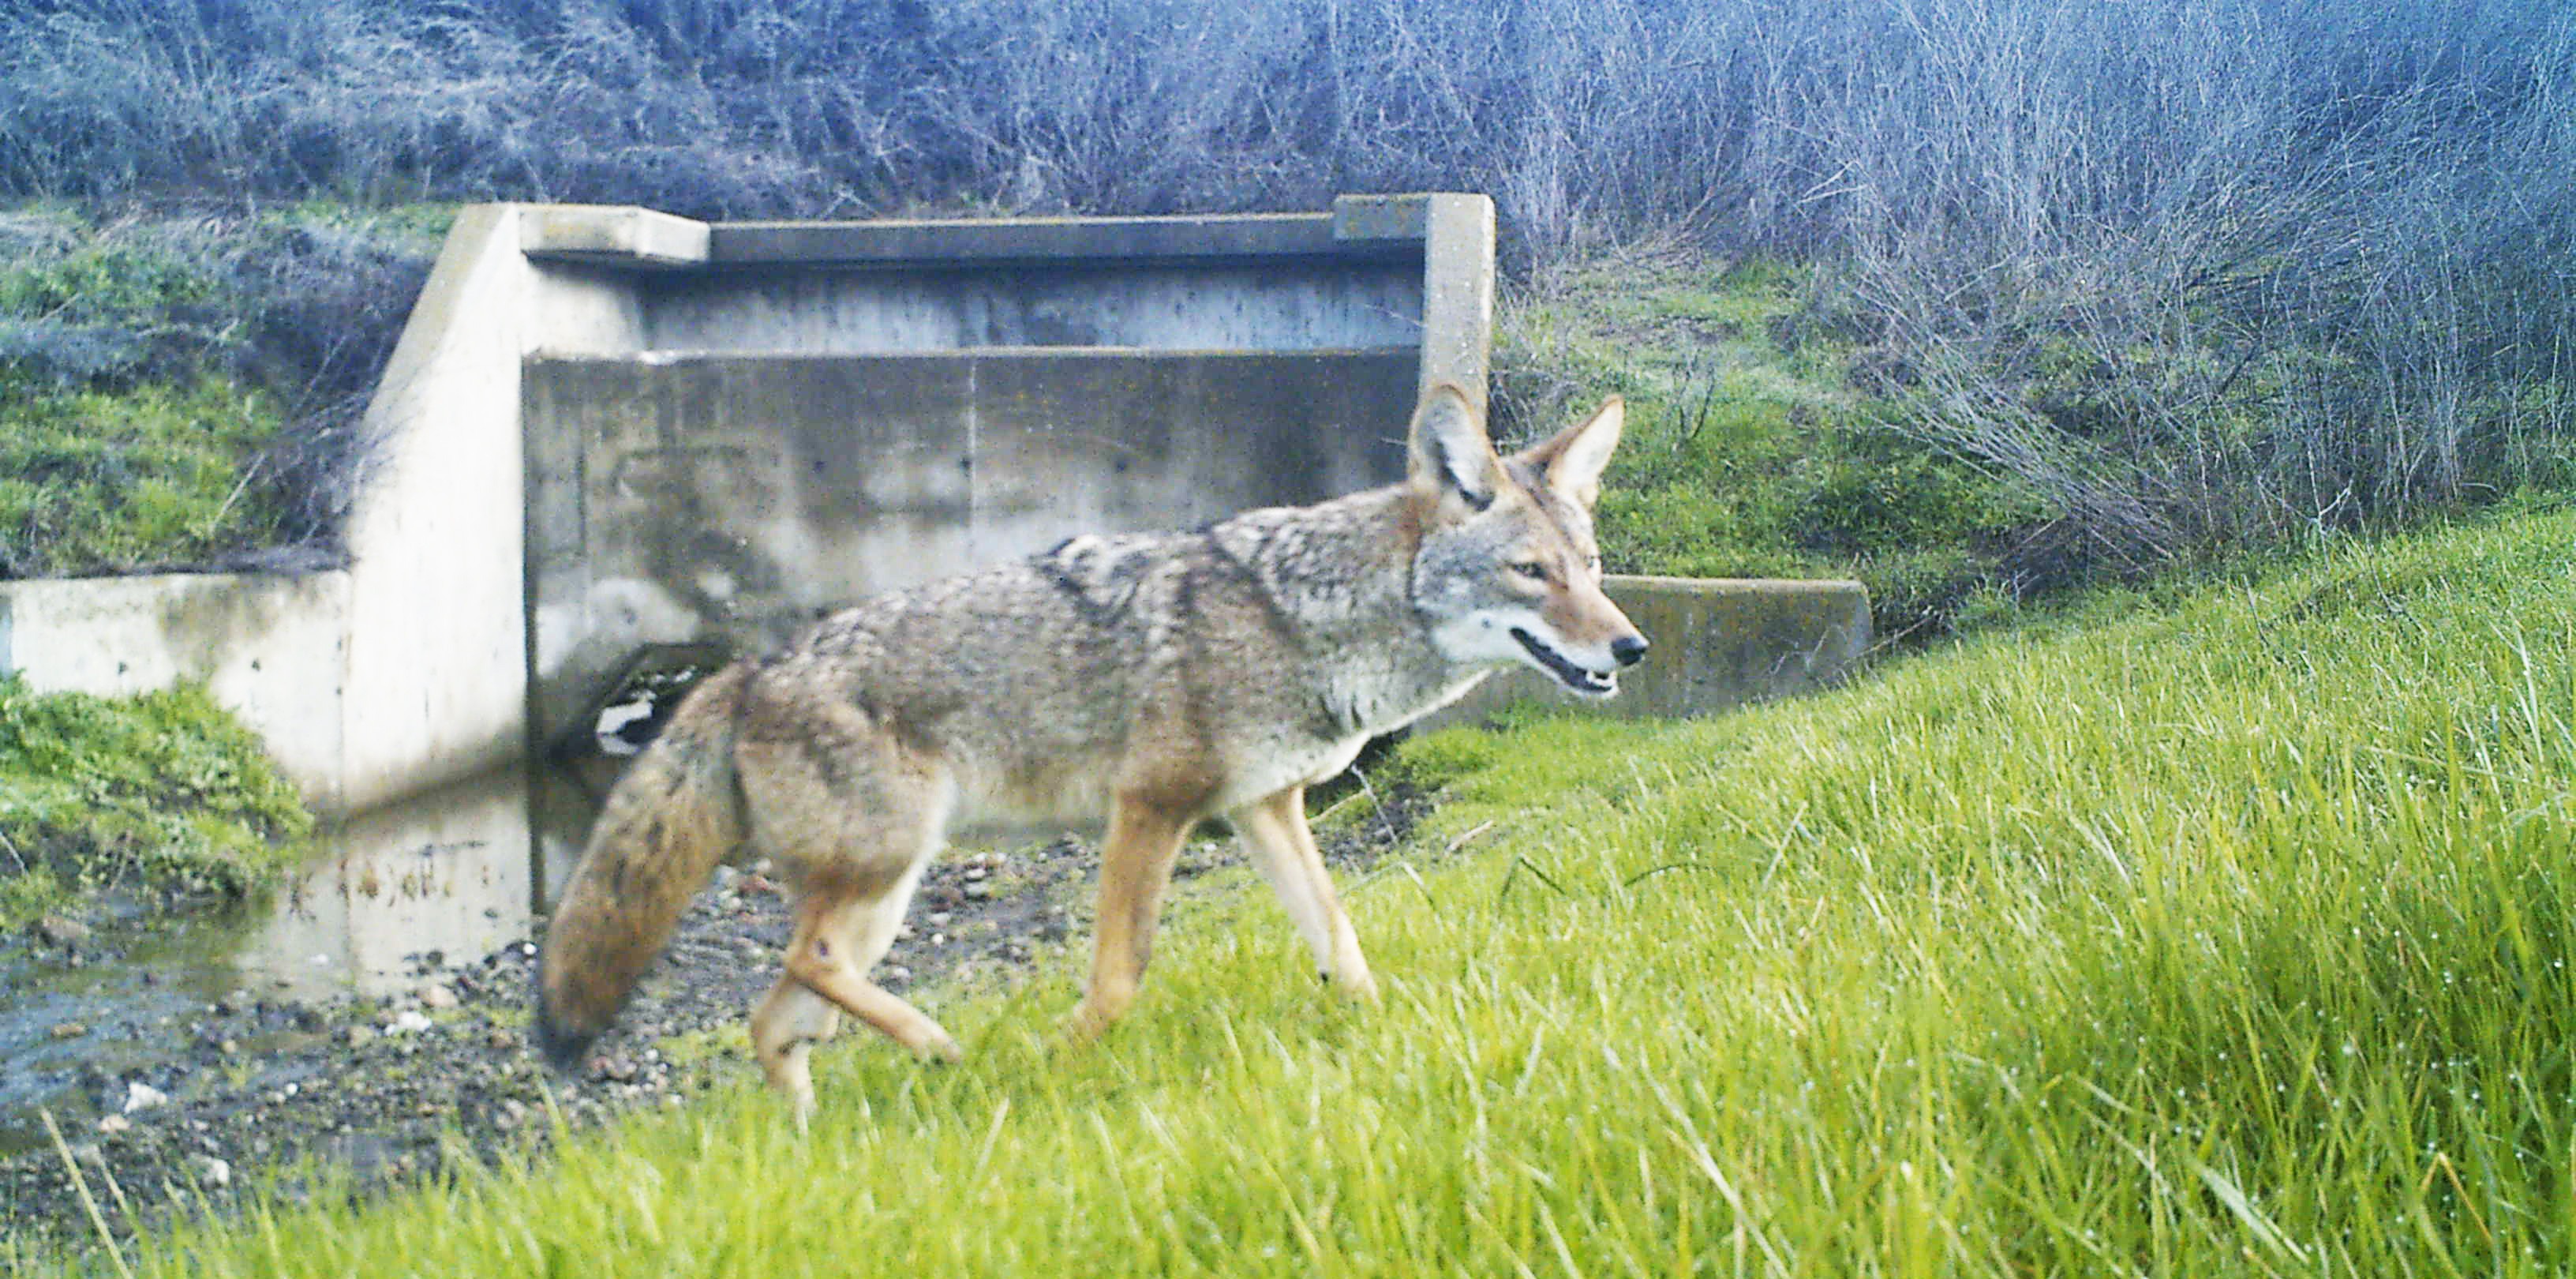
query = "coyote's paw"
{"x": 940, "y": 1049}
{"x": 1360, "y": 986}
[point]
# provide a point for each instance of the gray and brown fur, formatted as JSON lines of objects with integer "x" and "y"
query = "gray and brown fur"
{"x": 1149, "y": 681}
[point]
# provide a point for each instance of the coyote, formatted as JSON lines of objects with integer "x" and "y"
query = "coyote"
{"x": 1149, "y": 680}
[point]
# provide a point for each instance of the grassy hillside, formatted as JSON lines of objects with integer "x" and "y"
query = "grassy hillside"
{"x": 1749, "y": 450}
{"x": 2221, "y": 934}
{"x": 182, "y": 390}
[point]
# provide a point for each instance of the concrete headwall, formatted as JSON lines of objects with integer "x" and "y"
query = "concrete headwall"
{"x": 818, "y": 411}
{"x": 637, "y": 427}
{"x": 732, "y": 497}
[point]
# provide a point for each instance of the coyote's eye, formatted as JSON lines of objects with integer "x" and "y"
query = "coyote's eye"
{"x": 1531, "y": 569}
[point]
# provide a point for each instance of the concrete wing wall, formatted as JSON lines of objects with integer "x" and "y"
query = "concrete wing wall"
{"x": 437, "y": 669}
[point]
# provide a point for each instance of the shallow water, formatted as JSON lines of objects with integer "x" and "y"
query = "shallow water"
{"x": 389, "y": 897}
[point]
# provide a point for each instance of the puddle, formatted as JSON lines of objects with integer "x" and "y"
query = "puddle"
{"x": 438, "y": 878}
{"x": 445, "y": 877}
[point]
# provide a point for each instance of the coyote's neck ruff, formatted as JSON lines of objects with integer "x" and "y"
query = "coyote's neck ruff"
{"x": 1146, "y": 681}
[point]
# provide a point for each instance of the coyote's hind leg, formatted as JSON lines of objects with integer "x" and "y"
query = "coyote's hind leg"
{"x": 784, "y": 1029}
{"x": 837, "y": 939}
{"x": 853, "y": 819}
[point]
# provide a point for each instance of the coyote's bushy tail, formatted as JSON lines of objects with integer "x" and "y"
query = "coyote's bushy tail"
{"x": 674, "y": 815}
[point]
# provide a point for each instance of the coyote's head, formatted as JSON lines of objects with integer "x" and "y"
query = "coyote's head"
{"x": 1507, "y": 570}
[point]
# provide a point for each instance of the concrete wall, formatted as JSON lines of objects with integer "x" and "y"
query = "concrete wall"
{"x": 732, "y": 497}
{"x": 703, "y": 429}
{"x": 1152, "y": 306}
{"x": 819, "y": 411}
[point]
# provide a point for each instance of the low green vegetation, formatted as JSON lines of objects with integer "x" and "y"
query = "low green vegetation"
{"x": 1748, "y": 452}
{"x": 181, "y": 391}
{"x": 2218, "y": 933}
{"x": 152, "y": 794}
{"x": 100, "y": 481}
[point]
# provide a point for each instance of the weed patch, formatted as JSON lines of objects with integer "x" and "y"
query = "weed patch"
{"x": 153, "y": 794}
{"x": 157, "y": 476}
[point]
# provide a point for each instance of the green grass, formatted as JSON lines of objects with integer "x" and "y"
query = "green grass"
{"x": 1747, "y": 453}
{"x": 2222, "y": 935}
{"x": 168, "y": 384}
{"x": 96, "y": 481}
{"x": 154, "y": 793}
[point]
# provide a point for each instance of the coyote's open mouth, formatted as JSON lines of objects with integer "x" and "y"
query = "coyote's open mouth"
{"x": 1565, "y": 671}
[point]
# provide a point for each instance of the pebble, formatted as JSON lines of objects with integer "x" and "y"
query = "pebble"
{"x": 114, "y": 1124}
{"x": 408, "y": 1021}
{"x": 437, "y": 996}
{"x": 68, "y": 1030}
{"x": 143, "y": 1096}
{"x": 360, "y": 1036}
{"x": 60, "y": 930}
{"x": 979, "y": 890}
{"x": 212, "y": 1171}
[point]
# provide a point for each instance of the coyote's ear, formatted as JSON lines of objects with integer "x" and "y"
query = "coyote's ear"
{"x": 1573, "y": 460}
{"x": 1452, "y": 458}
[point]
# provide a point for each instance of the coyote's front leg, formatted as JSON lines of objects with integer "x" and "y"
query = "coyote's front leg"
{"x": 1135, "y": 867}
{"x": 1274, "y": 830}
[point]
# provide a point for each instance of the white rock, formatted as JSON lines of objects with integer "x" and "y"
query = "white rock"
{"x": 143, "y": 1096}
{"x": 408, "y": 1021}
{"x": 212, "y": 1171}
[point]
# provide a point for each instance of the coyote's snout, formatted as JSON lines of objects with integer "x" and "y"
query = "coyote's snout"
{"x": 1148, "y": 681}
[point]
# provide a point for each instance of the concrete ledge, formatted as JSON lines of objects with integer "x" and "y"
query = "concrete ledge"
{"x": 1004, "y": 241}
{"x": 1359, "y": 226}
{"x": 613, "y": 236}
{"x": 1719, "y": 643}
